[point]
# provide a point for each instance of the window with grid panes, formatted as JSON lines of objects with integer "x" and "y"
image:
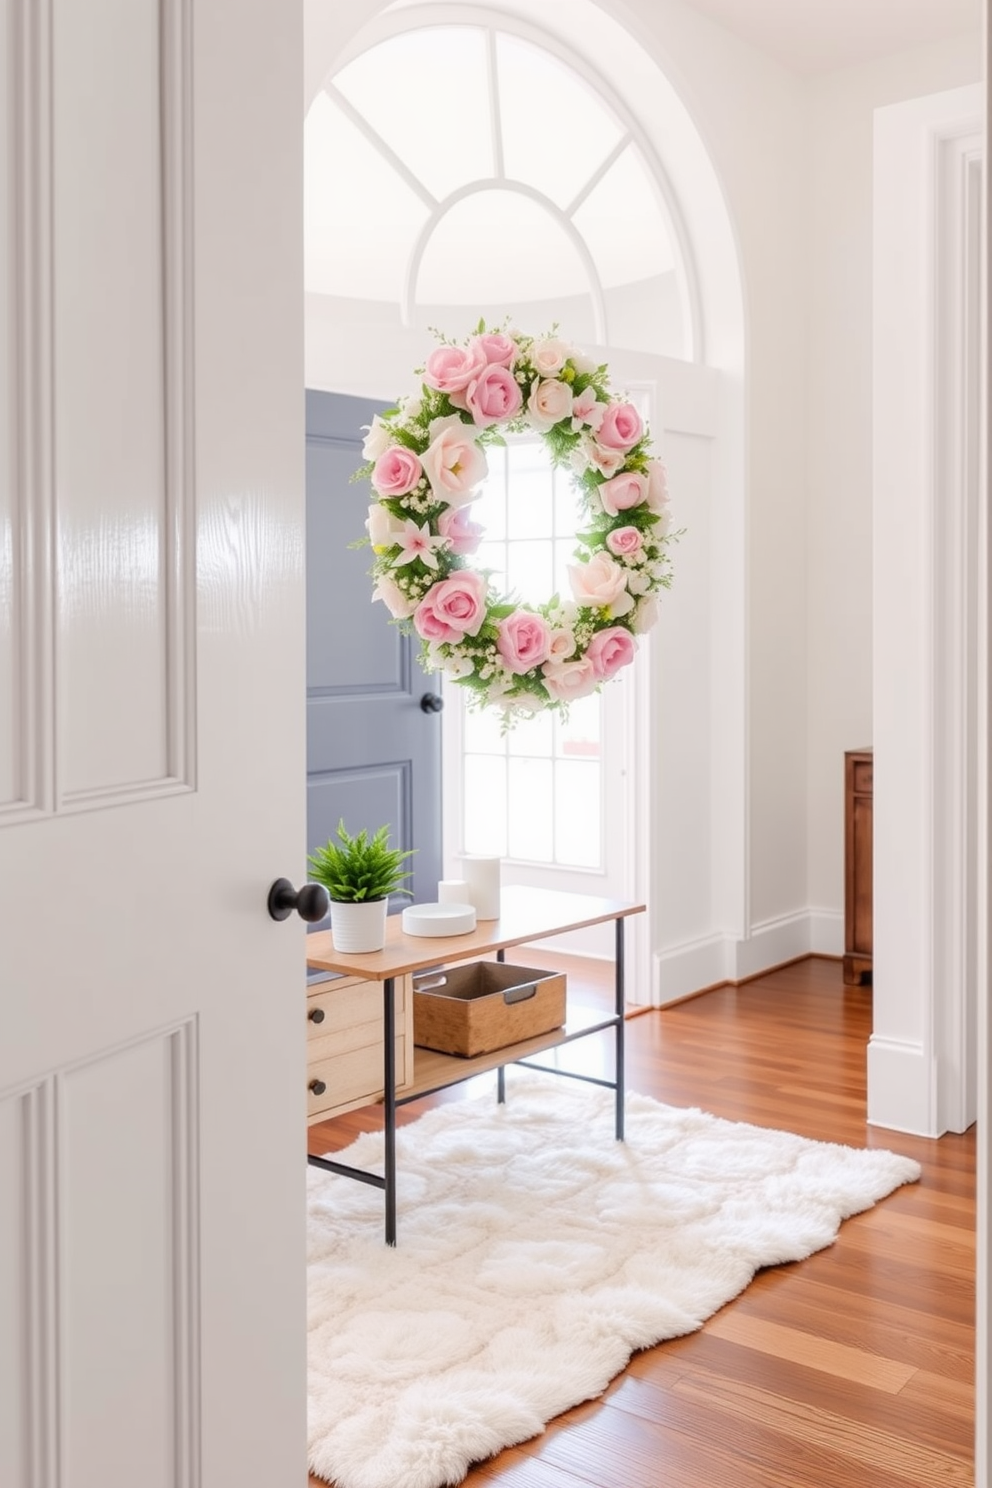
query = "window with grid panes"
{"x": 534, "y": 794}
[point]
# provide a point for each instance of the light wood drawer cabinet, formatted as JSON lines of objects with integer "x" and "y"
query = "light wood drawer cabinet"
{"x": 344, "y": 1044}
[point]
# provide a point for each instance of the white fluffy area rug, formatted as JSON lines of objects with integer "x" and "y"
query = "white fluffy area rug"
{"x": 535, "y": 1255}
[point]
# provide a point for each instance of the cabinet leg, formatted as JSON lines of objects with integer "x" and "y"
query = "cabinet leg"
{"x": 501, "y": 1085}
{"x": 857, "y": 970}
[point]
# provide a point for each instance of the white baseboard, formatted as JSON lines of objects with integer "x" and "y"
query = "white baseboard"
{"x": 683, "y": 969}
{"x": 770, "y": 944}
{"x": 900, "y": 1087}
{"x": 826, "y": 932}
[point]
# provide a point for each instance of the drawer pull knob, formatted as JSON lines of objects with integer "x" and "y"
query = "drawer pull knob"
{"x": 316, "y": 1015}
{"x": 317, "y": 1087}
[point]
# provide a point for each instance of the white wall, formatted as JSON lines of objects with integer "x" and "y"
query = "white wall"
{"x": 362, "y": 347}
{"x": 839, "y": 444}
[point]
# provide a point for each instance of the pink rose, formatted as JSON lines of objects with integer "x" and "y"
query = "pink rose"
{"x": 453, "y": 608}
{"x": 449, "y": 369}
{"x": 568, "y": 680}
{"x": 493, "y": 397}
{"x": 621, "y": 427}
{"x": 397, "y": 471}
{"x": 549, "y": 403}
{"x": 453, "y": 461}
{"x": 523, "y": 641}
{"x": 399, "y": 605}
{"x": 624, "y": 541}
{"x": 498, "y": 350}
{"x": 464, "y": 535}
{"x": 601, "y": 584}
{"x": 623, "y": 491}
{"x": 610, "y": 649}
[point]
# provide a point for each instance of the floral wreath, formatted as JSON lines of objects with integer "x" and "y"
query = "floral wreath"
{"x": 426, "y": 459}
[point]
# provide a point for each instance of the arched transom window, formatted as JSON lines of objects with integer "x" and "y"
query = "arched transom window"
{"x": 475, "y": 163}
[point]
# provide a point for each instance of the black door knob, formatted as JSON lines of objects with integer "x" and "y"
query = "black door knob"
{"x": 311, "y": 902}
{"x": 431, "y": 702}
{"x": 317, "y": 1087}
{"x": 316, "y": 1015}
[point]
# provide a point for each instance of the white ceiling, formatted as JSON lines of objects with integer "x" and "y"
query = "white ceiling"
{"x": 811, "y": 36}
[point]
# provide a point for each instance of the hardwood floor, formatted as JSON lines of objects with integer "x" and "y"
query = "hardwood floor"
{"x": 854, "y": 1367}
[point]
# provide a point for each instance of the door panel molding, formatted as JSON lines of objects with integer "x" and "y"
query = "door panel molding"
{"x": 65, "y": 429}
{"x": 120, "y": 1126}
{"x": 27, "y": 786}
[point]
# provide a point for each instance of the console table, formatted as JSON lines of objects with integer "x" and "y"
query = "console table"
{"x": 526, "y": 915}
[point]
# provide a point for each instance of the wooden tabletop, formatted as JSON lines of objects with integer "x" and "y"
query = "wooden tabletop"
{"x": 526, "y": 914}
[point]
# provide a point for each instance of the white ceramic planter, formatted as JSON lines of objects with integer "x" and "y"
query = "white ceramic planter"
{"x": 359, "y": 927}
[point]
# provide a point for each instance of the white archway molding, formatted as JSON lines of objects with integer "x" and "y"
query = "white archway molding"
{"x": 605, "y": 79}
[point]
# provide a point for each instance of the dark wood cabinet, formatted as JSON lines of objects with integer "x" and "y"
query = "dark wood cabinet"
{"x": 858, "y": 765}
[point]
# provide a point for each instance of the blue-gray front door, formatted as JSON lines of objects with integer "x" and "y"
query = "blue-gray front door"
{"x": 373, "y": 752}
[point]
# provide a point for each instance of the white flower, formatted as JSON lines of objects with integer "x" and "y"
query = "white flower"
{"x": 399, "y": 605}
{"x": 561, "y": 645}
{"x": 549, "y": 356}
{"x": 382, "y": 526}
{"x": 638, "y": 582}
{"x": 606, "y": 461}
{"x": 600, "y": 583}
{"x": 458, "y": 666}
{"x": 550, "y": 401}
{"x": 646, "y": 614}
{"x": 453, "y": 462}
{"x": 622, "y": 605}
{"x": 377, "y": 439}
{"x": 499, "y": 686}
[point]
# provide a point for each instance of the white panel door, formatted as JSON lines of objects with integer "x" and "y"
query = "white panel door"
{"x": 152, "y": 1095}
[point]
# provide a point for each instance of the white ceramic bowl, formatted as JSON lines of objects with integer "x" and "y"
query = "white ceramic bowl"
{"x": 438, "y": 919}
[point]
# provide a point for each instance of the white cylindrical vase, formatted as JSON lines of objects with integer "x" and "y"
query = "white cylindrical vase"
{"x": 482, "y": 877}
{"x": 358, "y": 928}
{"x": 452, "y": 891}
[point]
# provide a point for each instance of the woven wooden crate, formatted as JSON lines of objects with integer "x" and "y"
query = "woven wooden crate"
{"x": 485, "y": 1005}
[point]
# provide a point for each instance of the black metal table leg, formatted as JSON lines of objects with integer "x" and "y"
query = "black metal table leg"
{"x": 620, "y": 924}
{"x": 389, "y": 1099}
{"x": 501, "y": 1072}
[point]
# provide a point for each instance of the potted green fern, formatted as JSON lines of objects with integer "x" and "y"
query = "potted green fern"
{"x": 359, "y": 873}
